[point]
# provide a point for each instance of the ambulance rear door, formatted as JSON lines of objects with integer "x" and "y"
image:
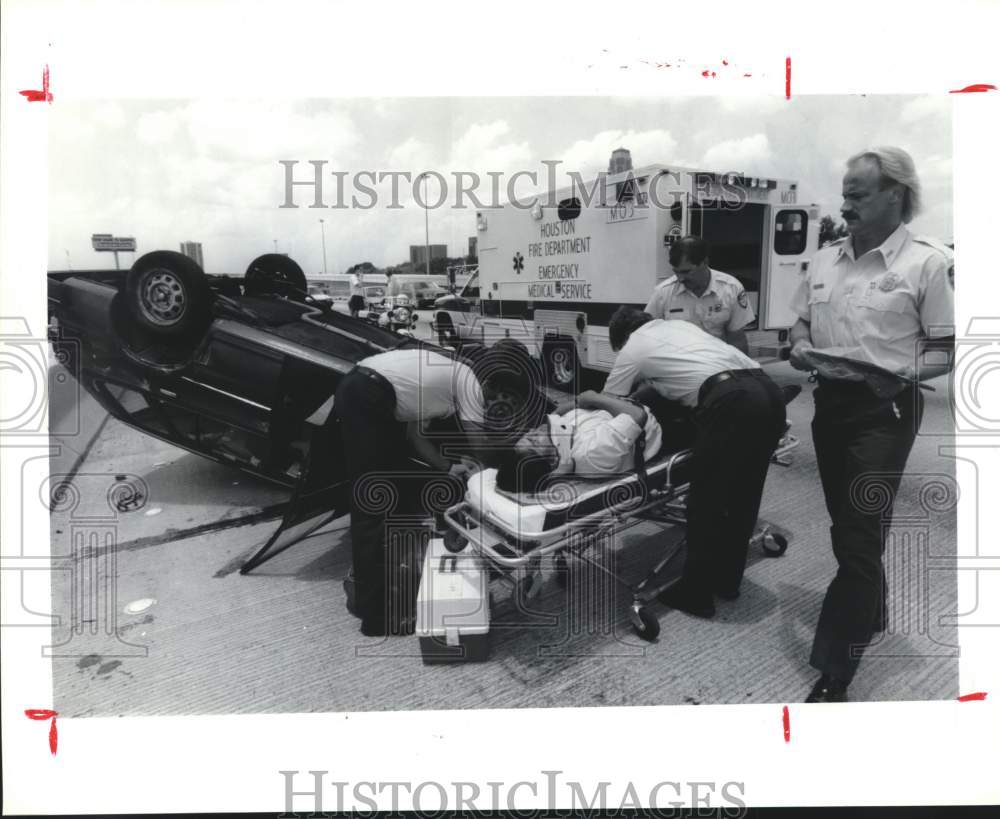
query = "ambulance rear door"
{"x": 792, "y": 239}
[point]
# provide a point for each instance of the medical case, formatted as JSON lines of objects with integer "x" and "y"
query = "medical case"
{"x": 453, "y": 605}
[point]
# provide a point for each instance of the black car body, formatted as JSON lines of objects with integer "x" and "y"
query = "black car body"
{"x": 248, "y": 388}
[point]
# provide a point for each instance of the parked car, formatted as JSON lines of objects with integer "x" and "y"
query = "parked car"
{"x": 456, "y": 317}
{"x": 420, "y": 291}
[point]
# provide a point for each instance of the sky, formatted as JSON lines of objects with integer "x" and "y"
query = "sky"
{"x": 209, "y": 171}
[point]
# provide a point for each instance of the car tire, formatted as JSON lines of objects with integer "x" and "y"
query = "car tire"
{"x": 168, "y": 296}
{"x": 561, "y": 363}
{"x": 276, "y": 274}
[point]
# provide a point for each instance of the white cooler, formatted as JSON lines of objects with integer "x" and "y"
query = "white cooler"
{"x": 453, "y": 605}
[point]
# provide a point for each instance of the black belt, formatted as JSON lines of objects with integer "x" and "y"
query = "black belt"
{"x": 725, "y": 375}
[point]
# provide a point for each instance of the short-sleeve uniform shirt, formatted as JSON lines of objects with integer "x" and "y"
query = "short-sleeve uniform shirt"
{"x": 723, "y": 307}
{"x": 879, "y": 306}
{"x": 429, "y": 385}
{"x": 676, "y": 358}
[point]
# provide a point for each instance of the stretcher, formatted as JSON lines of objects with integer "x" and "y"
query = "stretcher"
{"x": 513, "y": 534}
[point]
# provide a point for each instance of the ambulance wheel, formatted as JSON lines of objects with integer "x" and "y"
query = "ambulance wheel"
{"x": 644, "y": 624}
{"x": 561, "y": 364}
{"x": 780, "y": 544}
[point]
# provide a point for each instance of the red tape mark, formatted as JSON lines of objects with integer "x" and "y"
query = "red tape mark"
{"x": 978, "y": 88}
{"x": 39, "y": 96}
{"x": 42, "y": 714}
{"x": 979, "y": 695}
{"x": 788, "y": 78}
{"x": 786, "y": 723}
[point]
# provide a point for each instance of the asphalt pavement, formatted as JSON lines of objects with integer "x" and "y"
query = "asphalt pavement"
{"x": 156, "y": 618}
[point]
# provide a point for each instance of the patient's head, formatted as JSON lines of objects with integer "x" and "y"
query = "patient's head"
{"x": 533, "y": 458}
{"x": 513, "y": 388}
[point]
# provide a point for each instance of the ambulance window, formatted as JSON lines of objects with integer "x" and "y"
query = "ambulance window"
{"x": 569, "y": 209}
{"x": 790, "y": 233}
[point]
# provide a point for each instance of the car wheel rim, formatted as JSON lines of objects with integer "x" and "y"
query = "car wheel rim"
{"x": 162, "y": 297}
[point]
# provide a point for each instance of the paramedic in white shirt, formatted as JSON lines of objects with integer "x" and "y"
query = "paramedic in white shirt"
{"x": 884, "y": 296}
{"x": 739, "y": 414}
{"x": 382, "y": 404}
{"x": 714, "y": 301}
{"x": 593, "y": 435}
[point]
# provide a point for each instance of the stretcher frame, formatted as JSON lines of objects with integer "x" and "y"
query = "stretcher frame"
{"x": 480, "y": 530}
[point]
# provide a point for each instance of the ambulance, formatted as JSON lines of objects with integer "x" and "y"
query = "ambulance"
{"x": 553, "y": 270}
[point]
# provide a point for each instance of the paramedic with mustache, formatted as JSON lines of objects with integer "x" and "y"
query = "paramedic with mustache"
{"x": 882, "y": 293}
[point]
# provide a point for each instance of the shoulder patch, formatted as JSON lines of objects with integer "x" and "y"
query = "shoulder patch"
{"x": 939, "y": 246}
{"x": 742, "y": 299}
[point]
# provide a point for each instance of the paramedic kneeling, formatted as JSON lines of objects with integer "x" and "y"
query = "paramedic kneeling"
{"x": 739, "y": 414}
{"x": 381, "y": 404}
{"x": 879, "y": 295}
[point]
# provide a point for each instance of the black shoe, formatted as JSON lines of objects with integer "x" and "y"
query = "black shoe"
{"x": 828, "y": 689}
{"x": 350, "y": 592}
{"x": 681, "y": 597}
{"x": 378, "y": 627}
{"x": 881, "y": 620}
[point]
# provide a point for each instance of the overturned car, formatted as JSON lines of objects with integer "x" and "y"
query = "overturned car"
{"x": 239, "y": 370}
{"x": 228, "y": 368}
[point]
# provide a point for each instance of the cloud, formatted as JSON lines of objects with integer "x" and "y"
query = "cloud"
{"x": 261, "y": 130}
{"x": 747, "y": 155}
{"x": 937, "y": 106}
{"x": 158, "y": 127}
{"x": 487, "y": 147}
{"x": 109, "y": 115}
{"x": 588, "y": 156}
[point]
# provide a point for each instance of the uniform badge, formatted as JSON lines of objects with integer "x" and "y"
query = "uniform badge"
{"x": 741, "y": 299}
{"x": 890, "y": 281}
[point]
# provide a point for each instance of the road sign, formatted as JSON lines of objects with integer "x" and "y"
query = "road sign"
{"x": 105, "y": 241}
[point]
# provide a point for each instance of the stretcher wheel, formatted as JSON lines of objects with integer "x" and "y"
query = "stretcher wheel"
{"x": 644, "y": 623}
{"x": 523, "y": 587}
{"x": 453, "y": 541}
{"x": 780, "y": 544}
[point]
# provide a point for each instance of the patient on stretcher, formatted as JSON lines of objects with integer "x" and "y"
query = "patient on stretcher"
{"x": 590, "y": 436}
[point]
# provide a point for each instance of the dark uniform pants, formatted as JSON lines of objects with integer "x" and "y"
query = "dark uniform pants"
{"x": 862, "y": 443}
{"x": 374, "y": 447}
{"x": 739, "y": 423}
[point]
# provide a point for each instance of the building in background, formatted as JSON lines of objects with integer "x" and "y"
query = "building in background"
{"x": 193, "y": 251}
{"x": 621, "y": 161}
{"x": 473, "y": 247}
{"x": 418, "y": 254}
